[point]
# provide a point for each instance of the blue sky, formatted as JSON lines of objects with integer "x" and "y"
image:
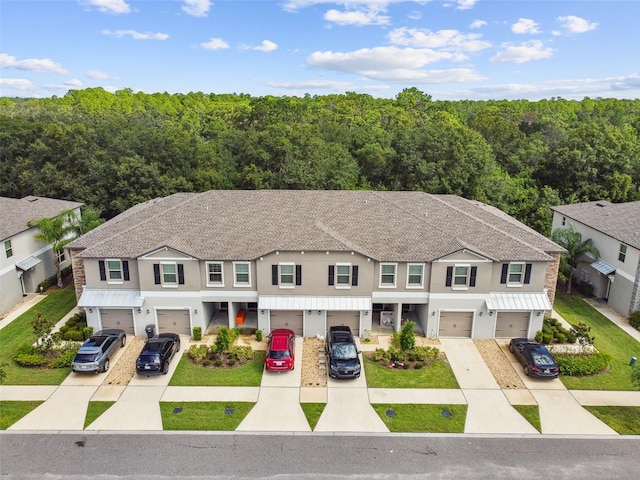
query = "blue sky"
{"x": 452, "y": 50}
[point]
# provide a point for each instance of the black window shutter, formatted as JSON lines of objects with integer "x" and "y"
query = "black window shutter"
{"x": 274, "y": 274}
{"x": 505, "y": 270}
{"x": 103, "y": 271}
{"x": 156, "y": 273}
{"x": 331, "y": 274}
{"x": 181, "y": 274}
{"x": 354, "y": 275}
{"x": 449, "y": 276}
{"x": 472, "y": 280}
{"x": 527, "y": 273}
{"x": 125, "y": 270}
{"x": 298, "y": 274}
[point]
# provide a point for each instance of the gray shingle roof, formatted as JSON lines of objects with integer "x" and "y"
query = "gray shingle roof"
{"x": 15, "y": 213}
{"x": 386, "y": 226}
{"x": 618, "y": 220}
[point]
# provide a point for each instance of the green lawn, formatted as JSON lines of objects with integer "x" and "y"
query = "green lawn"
{"x": 313, "y": 411}
{"x": 437, "y": 375}
{"x": 94, "y": 410}
{"x": 423, "y": 418}
{"x": 57, "y": 304}
{"x": 215, "y": 416}
{"x": 531, "y": 413}
{"x": 247, "y": 375}
{"x": 624, "y": 420}
{"x": 11, "y": 411}
{"x": 610, "y": 339}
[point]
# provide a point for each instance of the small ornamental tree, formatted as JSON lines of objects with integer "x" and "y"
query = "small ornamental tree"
{"x": 581, "y": 332}
{"x": 407, "y": 337}
{"x": 223, "y": 340}
{"x": 42, "y": 328}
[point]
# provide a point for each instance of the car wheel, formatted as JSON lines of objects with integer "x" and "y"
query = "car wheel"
{"x": 526, "y": 370}
{"x": 178, "y": 346}
{"x": 105, "y": 367}
{"x": 123, "y": 342}
{"x": 511, "y": 348}
{"x": 165, "y": 370}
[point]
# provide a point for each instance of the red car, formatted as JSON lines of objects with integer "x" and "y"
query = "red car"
{"x": 281, "y": 351}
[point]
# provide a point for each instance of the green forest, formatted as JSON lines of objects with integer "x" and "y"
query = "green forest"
{"x": 113, "y": 150}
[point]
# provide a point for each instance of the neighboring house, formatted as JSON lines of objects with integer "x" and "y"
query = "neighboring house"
{"x": 307, "y": 260}
{"x": 25, "y": 262}
{"x": 614, "y": 229}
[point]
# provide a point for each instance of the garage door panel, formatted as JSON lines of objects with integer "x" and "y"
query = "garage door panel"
{"x": 291, "y": 319}
{"x": 349, "y": 319}
{"x": 174, "y": 321}
{"x": 117, "y": 318}
{"x": 512, "y": 324}
{"x": 455, "y": 324}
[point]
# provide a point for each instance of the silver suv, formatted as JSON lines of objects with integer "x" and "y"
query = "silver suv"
{"x": 95, "y": 353}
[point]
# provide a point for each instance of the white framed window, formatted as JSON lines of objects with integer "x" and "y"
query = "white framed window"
{"x": 61, "y": 256}
{"x": 415, "y": 275}
{"x": 516, "y": 274}
{"x": 8, "y": 249}
{"x": 241, "y": 274}
{"x": 287, "y": 274}
{"x": 461, "y": 276}
{"x": 388, "y": 275}
{"x": 169, "y": 274}
{"x": 215, "y": 274}
{"x": 622, "y": 254}
{"x": 343, "y": 275}
{"x": 114, "y": 271}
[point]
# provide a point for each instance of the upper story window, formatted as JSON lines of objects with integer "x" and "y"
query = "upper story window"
{"x": 8, "y": 249}
{"x": 287, "y": 275}
{"x": 388, "y": 274}
{"x": 461, "y": 276}
{"x": 168, "y": 274}
{"x": 415, "y": 275}
{"x": 114, "y": 270}
{"x": 241, "y": 274}
{"x": 61, "y": 256}
{"x": 215, "y": 274}
{"x": 343, "y": 275}
{"x": 564, "y": 221}
{"x": 515, "y": 274}
{"x": 623, "y": 252}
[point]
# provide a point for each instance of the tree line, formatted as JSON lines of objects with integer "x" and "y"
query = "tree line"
{"x": 113, "y": 150}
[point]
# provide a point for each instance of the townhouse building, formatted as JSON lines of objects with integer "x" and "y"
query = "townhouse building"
{"x": 307, "y": 260}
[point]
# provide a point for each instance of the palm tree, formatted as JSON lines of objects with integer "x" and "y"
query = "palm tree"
{"x": 57, "y": 232}
{"x": 571, "y": 240}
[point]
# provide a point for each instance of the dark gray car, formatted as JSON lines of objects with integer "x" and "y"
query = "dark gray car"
{"x": 95, "y": 353}
{"x": 342, "y": 353}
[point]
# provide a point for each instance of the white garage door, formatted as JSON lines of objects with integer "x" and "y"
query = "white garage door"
{"x": 117, "y": 318}
{"x": 512, "y": 324}
{"x": 349, "y": 319}
{"x": 291, "y": 319}
{"x": 174, "y": 321}
{"x": 455, "y": 324}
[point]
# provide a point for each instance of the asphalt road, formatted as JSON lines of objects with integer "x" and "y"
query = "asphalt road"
{"x": 301, "y": 456}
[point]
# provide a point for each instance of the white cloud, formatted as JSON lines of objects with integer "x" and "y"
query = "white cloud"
{"x": 196, "y": 8}
{"x": 478, "y": 24}
{"x": 215, "y": 44}
{"x": 74, "y": 82}
{"x": 98, "y": 75}
{"x": 17, "y": 83}
{"x": 524, "y": 52}
{"x": 115, "y": 7}
{"x": 31, "y": 64}
{"x": 415, "y": 15}
{"x": 358, "y": 17}
{"x": 576, "y": 24}
{"x": 465, "y": 4}
{"x": 450, "y": 40}
{"x": 311, "y": 85}
{"x": 266, "y": 46}
{"x": 135, "y": 34}
{"x": 295, "y": 5}
{"x": 525, "y": 25}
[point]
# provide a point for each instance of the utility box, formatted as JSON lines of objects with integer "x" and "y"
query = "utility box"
{"x": 633, "y": 361}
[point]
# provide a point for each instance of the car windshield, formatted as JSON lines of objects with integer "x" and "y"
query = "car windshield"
{"x": 279, "y": 354}
{"x": 344, "y": 351}
{"x": 542, "y": 359}
{"x": 85, "y": 358}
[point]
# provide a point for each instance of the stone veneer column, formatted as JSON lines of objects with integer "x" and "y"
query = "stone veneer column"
{"x": 551, "y": 279}
{"x": 77, "y": 264}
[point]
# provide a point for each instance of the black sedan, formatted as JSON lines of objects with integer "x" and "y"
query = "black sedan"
{"x": 157, "y": 354}
{"x": 535, "y": 358}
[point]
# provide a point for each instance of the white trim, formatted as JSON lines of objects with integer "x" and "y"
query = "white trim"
{"x": 235, "y": 274}
{"x": 395, "y": 275}
{"x": 342, "y": 286}
{"x": 422, "y": 265}
{"x": 293, "y": 275}
{"x": 169, "y": 284}
{"x": 107, "y": 270}
{"x": 522, "y": 273}
{"x": 206, "y": 267}
{"x": 460, "y": 287}
{"x": 394, "y": 297}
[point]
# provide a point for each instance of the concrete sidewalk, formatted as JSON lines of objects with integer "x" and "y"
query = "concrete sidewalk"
{"x": 30, "y": 301}
{"x": 615, "y": 317}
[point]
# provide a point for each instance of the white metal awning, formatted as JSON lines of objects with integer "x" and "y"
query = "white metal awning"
{"x": 603, "y": 267}
{"x": 518, "y": 301}
{"x": 299, "y": 302}
{"x": 28, "y": 263}
{"x": 110, "y": 298}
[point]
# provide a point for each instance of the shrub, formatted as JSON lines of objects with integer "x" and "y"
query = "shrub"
{"x": 197, "y": 333}
{"x": 538, "y": 337}
{"x": 87, "y": 332}
{"x": 223, "y": 340}
{"x": 231, "y": 362}
{"x": 582, "y": 364}
{"x": 561, "y": 337}
{"x": 258, "y": 335}
{"x": 418, "y": 365}
{"x": 74, "y": 335}
{"x": 31, "y": 360}
{"x": 547, "y": 338}
{"x": 198, "y": 353}
{"x": 65, "y": 358}
{"x": 241, "y": 352}
{"x": 426, "y": 354}
{"x": 407, "y": 337}
{"x": 635, "y": 376}
{"x": 206, "y": 362}
{"x": 634, "y": 320}
{"x": 25, "y": 348}
{"x": 218, "y": 363}
{"x": 381, "y": 355}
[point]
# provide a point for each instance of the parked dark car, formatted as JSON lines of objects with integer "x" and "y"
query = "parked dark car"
{"x": 535, "y": 358}
{"x": 342, "y": 353}
{"x": 281, "y": 351}
{"x": 95, "y": 353}
{"x": 157, "y": 353}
